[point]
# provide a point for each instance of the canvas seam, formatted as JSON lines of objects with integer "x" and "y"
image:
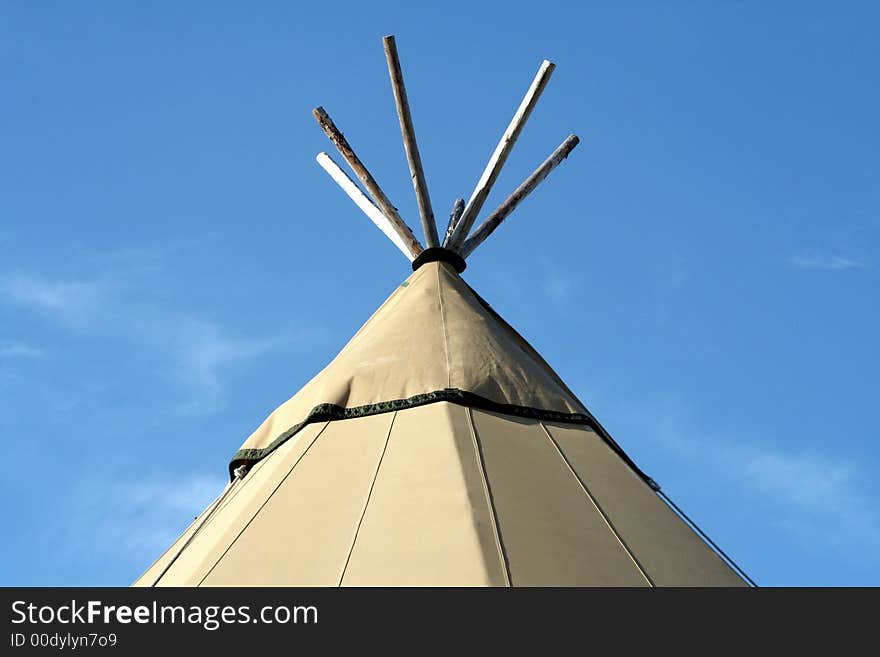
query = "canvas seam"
{"x": 490, "y": 502}
{"x": 599, "y": 508}
{"x": 166, "y": 551}
{"x": 212, "y": 510}
{"x": 707, "y": 540}
{"x": 223, "y": 503}
{"x": 265, "y": 502}
{"x": 183, "y": 537}
{"x": 367, "y": 502}
{"x": 445, "y": 334}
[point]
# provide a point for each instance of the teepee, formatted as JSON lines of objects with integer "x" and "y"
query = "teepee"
{"x": 438, "y": 447}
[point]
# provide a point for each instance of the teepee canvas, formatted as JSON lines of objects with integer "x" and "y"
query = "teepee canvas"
{"x": 438, "y": 448}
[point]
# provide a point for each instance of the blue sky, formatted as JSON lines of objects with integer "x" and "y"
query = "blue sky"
{"x": 703, "y": 270}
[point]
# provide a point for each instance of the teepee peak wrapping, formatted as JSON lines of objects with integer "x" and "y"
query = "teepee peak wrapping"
{"x": 433, "y": 339}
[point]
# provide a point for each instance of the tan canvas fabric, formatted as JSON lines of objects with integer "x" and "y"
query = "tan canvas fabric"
{"x": 442, "y": 495}
{"x": 429, "y": 521}
{"x": 303, "y": 533}
{"x": 508, "y": 485}
{"x": 239, "y": 507}
{"x": 431, "y": 334}
{"x": 670, "y": 553}
{"x": 552, "y": 533}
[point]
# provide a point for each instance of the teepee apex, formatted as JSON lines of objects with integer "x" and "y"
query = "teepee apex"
{"x": 457, "y": 244}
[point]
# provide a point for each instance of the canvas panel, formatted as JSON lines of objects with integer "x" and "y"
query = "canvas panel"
{"x": 490, "y": 359}
{"x": 237, "y": 509}
{"x": 200, "y": 549}
{"x": 304, "y": 532}
{"x": 428, "y": 522}
{"x": 669, "y": 551}
{"x": 429, "y": 518}
{"x": 154, "y": 572}
{"x": 552, "y": 533}
{"x": 431, "y": 334}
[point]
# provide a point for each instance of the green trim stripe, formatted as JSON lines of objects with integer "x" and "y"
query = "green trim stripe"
{"x": 332, "y": 412}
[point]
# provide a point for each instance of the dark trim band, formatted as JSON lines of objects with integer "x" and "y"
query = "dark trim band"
{"x": 332, "y": 412}
{"x": 440, "y": 254}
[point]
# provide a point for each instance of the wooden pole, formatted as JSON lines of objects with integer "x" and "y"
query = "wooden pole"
{"x": 388, "y": 209}
{"x": 409, "y": 143}
{"x": 457, "y": 209}
{"x": 375, "y": 214}
{"x": 502, "y": 150}
{"x": 527, "y": 187}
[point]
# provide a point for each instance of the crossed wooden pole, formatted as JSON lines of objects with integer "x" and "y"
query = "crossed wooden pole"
{"x": 458, "y": 236}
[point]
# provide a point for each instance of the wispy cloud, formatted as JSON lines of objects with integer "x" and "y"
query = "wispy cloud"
{"x": 825, "y": 488}
{"x": 70, "y": 300}
{"x": 202, "y": 350}
{"x": 820, "y": 497}
{"x": 19, "y": 350}
{"x": 134, "y": 519}
{"x": 128, "y": 304}
{"x": 825, "y": 262}
{"x": 558, "y": 288}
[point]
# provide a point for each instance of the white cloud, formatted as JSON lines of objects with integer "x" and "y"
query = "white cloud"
{"x": 558, "y": 288}
{"x": 824, "y": 262}
{"x": 19, "y": 350}
{"x": 127, "y": 305}
{"x": 71, "y": 300}
{"x": 188, "y": 494}
{"x": 201, "y": 350}
{"x": 822, "y": 498}
{"x": 132, "y": 520}
{"x": 824, "y": 491}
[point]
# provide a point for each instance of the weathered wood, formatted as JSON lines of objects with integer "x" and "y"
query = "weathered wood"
{"x": 457, "y": 209}
{"x": 527, "y": 187}
{"x": 387, "y": 207}
{"x": 502, "y": 150}
{"x": 409, "y": 143}
{"x": 354, "y": 192}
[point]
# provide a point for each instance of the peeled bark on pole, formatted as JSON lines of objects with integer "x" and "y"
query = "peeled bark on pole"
{"x": 502, "y": 150}
{"x": 409, "y": 143}
{"x": 354, "y": 192}
{"x": 527, "y": 187}
{"x": 387, "y": 207}
{"x": 457, "y": 209}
